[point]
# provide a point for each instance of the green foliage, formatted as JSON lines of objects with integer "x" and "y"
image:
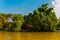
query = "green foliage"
{"x": 27, "y": 26}
{"x": 42, "y": 19}
{"x": 58, "y": 24}
{"x": 15, "y": 25}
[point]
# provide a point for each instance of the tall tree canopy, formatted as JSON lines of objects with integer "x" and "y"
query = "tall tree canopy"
{"x": 44, "y": 19}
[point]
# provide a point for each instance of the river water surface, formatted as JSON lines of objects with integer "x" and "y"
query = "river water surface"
{"x": 29, "y": 35}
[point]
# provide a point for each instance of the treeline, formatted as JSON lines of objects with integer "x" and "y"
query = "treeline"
{"x": 42, "y": 19}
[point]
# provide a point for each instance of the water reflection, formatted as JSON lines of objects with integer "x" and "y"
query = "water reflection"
{"x": 30, "y": 36}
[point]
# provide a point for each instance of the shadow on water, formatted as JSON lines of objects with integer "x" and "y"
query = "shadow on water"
{"x": 29, "y": 35}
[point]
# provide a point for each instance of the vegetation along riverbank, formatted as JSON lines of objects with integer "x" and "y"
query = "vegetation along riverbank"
{"x": 42, "y": 19}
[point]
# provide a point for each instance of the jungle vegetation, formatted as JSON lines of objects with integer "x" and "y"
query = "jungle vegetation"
{"x": 42, "y": 19}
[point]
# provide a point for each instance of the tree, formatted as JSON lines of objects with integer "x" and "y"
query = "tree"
{"x": 2, "y": 20}
{"x": 17, "y": 22}
{"x": 14, "y": 25}
{"x": 27, "y": 26}
{"x": 36, "y": 20}
{"x": 58, "y": 24}
{"x": 44, "y": 19}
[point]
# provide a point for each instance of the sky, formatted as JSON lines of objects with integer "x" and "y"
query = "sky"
{"x": 20, "y": 6}
{"x": 56, "y": 4}
{"x": 25, "y": 6}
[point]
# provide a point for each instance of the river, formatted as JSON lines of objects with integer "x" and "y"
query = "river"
{"x": 29, "y": 35}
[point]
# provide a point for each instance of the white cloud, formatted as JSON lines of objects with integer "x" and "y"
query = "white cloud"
{"x": 56, "y": 4}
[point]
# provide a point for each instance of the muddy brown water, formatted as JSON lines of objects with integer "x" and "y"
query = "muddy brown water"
{"x": 29, "y": 35}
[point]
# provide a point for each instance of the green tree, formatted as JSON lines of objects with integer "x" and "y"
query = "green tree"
{"x": 27, "y": 26}
{"x": 58, "y": 24}
{"x": 44, "y": 19}
{"x": 18, "y": 20}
